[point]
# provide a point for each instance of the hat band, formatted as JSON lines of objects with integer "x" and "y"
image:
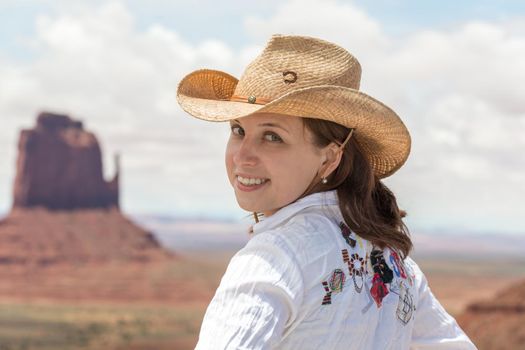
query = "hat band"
{"x": 250, "y": 99}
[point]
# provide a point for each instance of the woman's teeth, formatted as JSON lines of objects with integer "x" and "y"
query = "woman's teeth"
{"x": 250, "y": 181}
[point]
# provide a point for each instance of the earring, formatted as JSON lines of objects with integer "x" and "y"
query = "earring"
{"x": 324, "y": 181}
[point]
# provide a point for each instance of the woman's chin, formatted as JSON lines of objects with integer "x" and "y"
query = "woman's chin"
{"x": 249, "y": 206}
{"x": 257, "y": 209}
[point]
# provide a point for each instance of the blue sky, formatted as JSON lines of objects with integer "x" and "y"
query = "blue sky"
{"x": 450, "y": 69}
{"x": 203, "y": 19}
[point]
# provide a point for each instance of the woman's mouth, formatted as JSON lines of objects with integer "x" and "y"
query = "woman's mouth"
{"x": 250, "y": 183}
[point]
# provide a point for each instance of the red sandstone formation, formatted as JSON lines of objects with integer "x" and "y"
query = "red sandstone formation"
{"x": 40, "y": 237}
{"x": 499, "y": 323}
{"x": 59, "y": 166}
{"x": 63, "y": 210}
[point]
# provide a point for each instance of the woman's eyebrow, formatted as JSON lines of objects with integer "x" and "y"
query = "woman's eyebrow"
{"x": 273, "y": 125}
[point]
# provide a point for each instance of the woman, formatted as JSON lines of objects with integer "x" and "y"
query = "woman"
{"x": 327, "y": 266}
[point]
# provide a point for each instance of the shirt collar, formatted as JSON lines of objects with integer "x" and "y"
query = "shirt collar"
{"x": 328, "y": 198}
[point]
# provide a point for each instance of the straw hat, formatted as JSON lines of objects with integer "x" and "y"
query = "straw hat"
{"x": 305, "y": 77}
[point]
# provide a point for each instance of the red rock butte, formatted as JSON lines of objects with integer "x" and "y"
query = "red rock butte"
{"x": 497, "y": 323}
{"x": 59, "y": 166}
{"x": 63, "y": 209}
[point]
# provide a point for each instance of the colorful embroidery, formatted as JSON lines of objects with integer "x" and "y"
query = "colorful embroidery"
{"x": 379, "y": 289}
{"x": 356, "y": 268}
{"x": 405, "y": 306}
{"x": 334, "y": 285}
{"x": 337, "y": 281}
{"x": 327, "y": 300}
{"x": 357, "y": 265}
{"x": 380, "y": 267}
{"x": 382, "y": 275}
{"x": 397, "y": 265}
{"x": 346, "y": 258}
{"x": 345, "y": 231}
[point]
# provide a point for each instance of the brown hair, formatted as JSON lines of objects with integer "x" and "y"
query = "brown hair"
{"x": 368, "y": 207}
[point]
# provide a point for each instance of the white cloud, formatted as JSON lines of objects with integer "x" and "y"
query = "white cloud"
{"x": 336, "y": 21}
{"x": 478, "y": 59}
{"x": 96, "y": 66}
{"x": 458, "y": 91}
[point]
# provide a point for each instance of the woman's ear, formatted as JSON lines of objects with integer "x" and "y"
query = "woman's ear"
{"x": 331, "y": 158}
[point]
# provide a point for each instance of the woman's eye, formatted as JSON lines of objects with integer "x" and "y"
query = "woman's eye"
{"x": 272, "y": 137}
{"x": 237, "y": 130}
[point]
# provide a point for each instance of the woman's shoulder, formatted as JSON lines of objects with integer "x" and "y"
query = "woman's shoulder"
{"x": 415, "y": 271}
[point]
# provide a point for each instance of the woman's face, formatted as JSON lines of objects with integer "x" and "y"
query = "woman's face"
{"x": 271, "y": 160}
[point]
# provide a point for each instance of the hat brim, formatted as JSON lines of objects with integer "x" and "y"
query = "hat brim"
{"x": 383, "y": 137}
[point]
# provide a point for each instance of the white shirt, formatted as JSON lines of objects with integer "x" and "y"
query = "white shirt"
{"x": 300, "y": 284}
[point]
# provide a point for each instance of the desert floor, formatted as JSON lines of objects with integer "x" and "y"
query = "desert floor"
{"x": 78, "y": 311}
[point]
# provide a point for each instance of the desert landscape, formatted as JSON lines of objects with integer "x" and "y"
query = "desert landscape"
{"x": 77, "y": 273}
{"x": 160, "y": 305}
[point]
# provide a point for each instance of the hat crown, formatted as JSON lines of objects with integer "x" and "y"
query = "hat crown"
{"x": 293, "y": 62}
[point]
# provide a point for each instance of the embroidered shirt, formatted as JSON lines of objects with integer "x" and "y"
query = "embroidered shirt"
{"x": 305, "y": 281}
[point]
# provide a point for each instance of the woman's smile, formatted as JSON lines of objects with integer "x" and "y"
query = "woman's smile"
{"x": 249, "y": 184}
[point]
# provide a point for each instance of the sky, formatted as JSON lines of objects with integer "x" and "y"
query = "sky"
{"x": 453, "y": 71}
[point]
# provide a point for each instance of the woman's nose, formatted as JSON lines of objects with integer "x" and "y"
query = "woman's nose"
{"x": 246, "y": 153}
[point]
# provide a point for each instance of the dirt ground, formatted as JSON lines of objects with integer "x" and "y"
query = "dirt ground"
{"x": 457, "y": 282}
{"x": 161, "y": 305}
